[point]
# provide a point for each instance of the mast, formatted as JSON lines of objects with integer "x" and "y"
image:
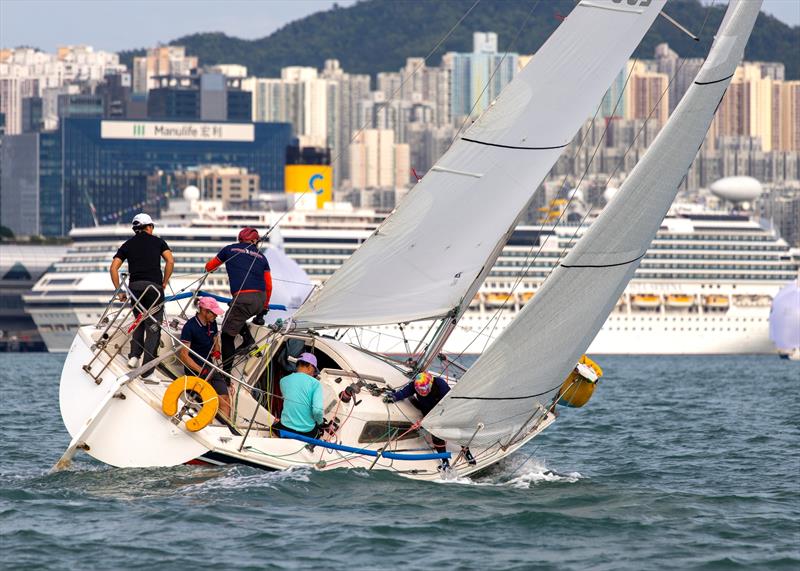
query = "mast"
{"x": 451, "y": 321}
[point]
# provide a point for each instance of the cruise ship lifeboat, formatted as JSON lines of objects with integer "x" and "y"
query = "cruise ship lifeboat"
{"x": 645, "y": 301}
{"x": 716, "y": 301}
{"x": 526, "y": 296}
{"x": 498, "y": 299}
{"x": 680, "y": 300}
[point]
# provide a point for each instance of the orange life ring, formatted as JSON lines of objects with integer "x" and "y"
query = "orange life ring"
{"x": 210, "y": 403}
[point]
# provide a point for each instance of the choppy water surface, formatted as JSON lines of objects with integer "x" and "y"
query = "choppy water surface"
{"x": 677, "y": 463}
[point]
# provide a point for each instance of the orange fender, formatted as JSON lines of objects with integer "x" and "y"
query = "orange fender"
{"x": 578, "y": 388}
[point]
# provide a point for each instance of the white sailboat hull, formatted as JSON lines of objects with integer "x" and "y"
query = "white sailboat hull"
{"x": 132, "y": 430}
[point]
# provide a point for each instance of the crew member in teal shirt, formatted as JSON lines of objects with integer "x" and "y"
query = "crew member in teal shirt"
{"x": 302, "y": 399}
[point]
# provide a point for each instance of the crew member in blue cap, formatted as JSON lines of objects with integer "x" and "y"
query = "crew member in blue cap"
{"x": 302, "y": 399}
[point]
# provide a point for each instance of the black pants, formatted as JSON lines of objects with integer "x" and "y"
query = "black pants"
{"x": 218, "y": 382}
{"x": 314, "y": 433}
{"x": 147, "y": 334}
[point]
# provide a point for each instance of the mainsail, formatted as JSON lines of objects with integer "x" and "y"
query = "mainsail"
{"x": 425, "y": 258}
{"x": 524, "y": 368}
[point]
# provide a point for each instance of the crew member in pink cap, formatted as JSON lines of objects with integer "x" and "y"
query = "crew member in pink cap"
{"x": 200, "y": 335}
{"x": 251, "y": 287}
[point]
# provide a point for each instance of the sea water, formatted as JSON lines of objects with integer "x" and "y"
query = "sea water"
{"x": 676, "y": 463}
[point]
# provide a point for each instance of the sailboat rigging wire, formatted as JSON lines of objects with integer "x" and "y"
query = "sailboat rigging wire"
{"x": 638, "y": 133}
{"x": 495, "y": 318}
{"x": 527, "y": 264}
{"x": 555, "y": 387}
{"x": 494, "y": 72}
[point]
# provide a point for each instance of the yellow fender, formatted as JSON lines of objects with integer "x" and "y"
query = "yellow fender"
{"x": 578, "y": 387}
{"x": 178, "y": 387}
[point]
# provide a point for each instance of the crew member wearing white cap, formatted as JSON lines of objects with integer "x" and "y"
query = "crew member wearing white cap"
{"x": 143, "y": 253}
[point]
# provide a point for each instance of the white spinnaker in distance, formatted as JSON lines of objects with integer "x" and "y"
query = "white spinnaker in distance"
{"x": 526, "y": 365}
{"x": 425, "y": 256}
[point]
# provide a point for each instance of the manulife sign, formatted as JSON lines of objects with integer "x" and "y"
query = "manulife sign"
{"x": 156, "y": 131}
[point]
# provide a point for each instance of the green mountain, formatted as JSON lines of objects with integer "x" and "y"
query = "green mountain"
{"x": 378, "y": 35}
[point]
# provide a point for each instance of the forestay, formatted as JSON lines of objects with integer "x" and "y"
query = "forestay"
{"x": 526, "y": 365}
{"x": 425, "y": 257}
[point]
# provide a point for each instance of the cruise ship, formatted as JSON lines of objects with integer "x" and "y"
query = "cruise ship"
{"x": 705, "y": 286}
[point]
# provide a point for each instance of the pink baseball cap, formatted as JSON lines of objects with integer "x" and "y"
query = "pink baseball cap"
{"x": 210, "y": 304}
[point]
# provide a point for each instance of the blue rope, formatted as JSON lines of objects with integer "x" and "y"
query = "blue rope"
{"x": 188, "y": 294}
{"x": 364, "y": 451}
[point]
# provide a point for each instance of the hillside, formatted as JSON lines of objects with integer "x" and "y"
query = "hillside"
{"x": 378, "y": 35}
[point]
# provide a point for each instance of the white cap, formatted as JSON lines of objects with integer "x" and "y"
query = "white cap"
{"x": 142, "y": 219}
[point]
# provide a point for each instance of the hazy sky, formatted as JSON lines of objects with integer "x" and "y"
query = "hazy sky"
{"x": 123, "y": 24}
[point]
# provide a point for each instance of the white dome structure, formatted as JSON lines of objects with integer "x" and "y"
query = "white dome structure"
{"x": 576, "y": 194}
{"x": 737, "y": 188}
{"x": 191, "y": 193}
{"x": 609, "y": 193}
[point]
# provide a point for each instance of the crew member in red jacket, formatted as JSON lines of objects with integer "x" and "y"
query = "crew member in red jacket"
{"x": 251, "y": 287}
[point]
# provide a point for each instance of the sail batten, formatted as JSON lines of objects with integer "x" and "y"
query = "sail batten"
{"x": 522, "y": 371}
{"x": 488, "y": 144}
{"x": 429, "y": 253}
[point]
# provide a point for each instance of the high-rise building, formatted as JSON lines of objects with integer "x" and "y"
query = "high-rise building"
{"x": 613, "y": 104}
{"x": 206, "y": 97}
{"x": 747, "y": 108}
{"x": 161, "y": 61}
{"x": 26, "y": 72}
{"x": 376, "y": 161}
{"x": 647, "y": 94}
{"x": 31, "y": 184}
{"x": 350, "y": 90}
{"x": 477, "y": 78}
{"x": 100, "y": 169}
{"x": 233, "y": 186}
{"x": 418, "y": 83}
{"x": 299, "y": 97}
{"x": 786, "y": 116}
{"x": 376, "y": 112}
{"x": 680, "y": 71}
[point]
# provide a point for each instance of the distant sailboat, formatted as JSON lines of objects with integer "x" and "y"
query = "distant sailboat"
{"x": 784, "y": 321}
{"x": 426, "y": 262}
